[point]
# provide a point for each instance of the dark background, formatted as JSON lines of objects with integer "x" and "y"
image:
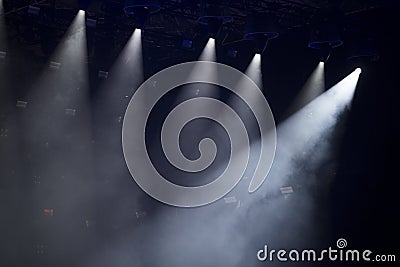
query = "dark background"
{"x": 74, "y": 164}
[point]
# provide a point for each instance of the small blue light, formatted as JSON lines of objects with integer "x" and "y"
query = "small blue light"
{"x": 187, "y": 44}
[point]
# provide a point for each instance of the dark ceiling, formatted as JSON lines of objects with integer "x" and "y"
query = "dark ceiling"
{"x": 177, "y": 19}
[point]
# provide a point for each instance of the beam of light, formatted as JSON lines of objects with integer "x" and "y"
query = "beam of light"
{"x": 60, "y": 117}
{"x": 237, "y": 226}
{"x": 126, "y": 73}
{"x": 209, "y": 53}
{"x": 306, "y": 134}
{"x": 72, "y": 50}
{"x": 305, "y": 141}
{"x": 71, "y": 58}
{"x": 125, "y": 77}
{"x": 254, "y": 70}
{"x": 209, "y": 73}
{"x": 314, "y": 86}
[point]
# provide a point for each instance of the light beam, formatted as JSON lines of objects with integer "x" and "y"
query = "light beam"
{"x": 127, "y": 72}
{"x": 209, "y": 53}
{"x": 314, "y": 86}
{"x": 60, "y": 119}
{"x": 306, "y": 134}
{"x": 254, "y": 70}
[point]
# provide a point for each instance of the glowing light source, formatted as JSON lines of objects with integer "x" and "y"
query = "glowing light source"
{"x": 126, "y": 73}
{"x": 208, "y": 53}
{"x": 129, "y": 63}
{"x": 306, "y": 137}
{"x": 72, "y": 50}
{"x": 254, "y": 70}
{"x": 64, "y": 87}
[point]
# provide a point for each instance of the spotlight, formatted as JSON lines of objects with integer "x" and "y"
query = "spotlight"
{"x": 254, "y": 70}
{"x": 361, "y": 49}
{"x": 325, "y": 36}
{"x": 84, "y": 4}
{"x": 208, "y": 53}
{"x": 136, "y": 7}
{"x": 358, "y": 71}
{"x": 141, "y": 9}
{"x": 325, "y": 51}
{"x": 312, "y": 88}
{"x": 260, "y": 29}
{"x": 212, "y": 17}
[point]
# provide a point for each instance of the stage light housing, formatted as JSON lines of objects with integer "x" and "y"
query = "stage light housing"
{"x": 325, "y": 35}
{"x": 361, "y": 49}
{"x": 261, "y": 28}
{"x": 141, "y": 10}
{"x": 212, "y": 16}
{"x": 261, "y": 24}
{"x": 141, "y": 7}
